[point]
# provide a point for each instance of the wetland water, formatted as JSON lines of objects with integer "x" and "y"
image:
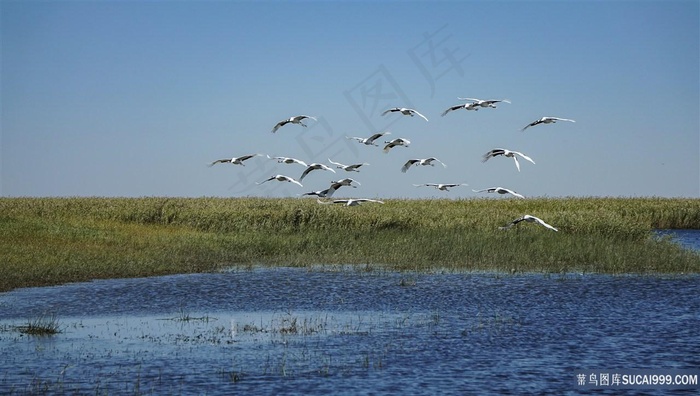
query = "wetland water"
{"x": 356, "y": 330}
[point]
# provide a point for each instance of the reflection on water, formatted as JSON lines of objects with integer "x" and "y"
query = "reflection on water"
{"x": 335, "y": 329}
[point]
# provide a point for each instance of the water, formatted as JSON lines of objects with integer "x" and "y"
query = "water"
{"x": 689, "y": 239}
{"x": 346, "y": 330}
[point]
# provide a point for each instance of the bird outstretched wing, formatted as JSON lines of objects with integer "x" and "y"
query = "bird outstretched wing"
{"x": 533, "y": 123}
{"x": 419, "y": 114}
{"x": 525, "y": 157}
{"x": 492, "y": 154}
{"x": 221, "y": 161}
{"x": 376, "y": 136}
{"x": 511, "y": 192}
{"x": 291, "y": 180}
{"x": 453, "y": 108}
{"x": 431, "y": 159}
{"x": 338, "y": 164}
{"x": 561, "y": 119}
{"x": 408, "y": 164}
{"x": 279, "y": 125}
{"x": 541, "y": 222}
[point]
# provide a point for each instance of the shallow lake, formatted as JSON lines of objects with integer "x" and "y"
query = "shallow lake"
{"x": 352, "y": 330}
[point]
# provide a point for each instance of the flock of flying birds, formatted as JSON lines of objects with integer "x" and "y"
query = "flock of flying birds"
{"x": 472, "y": 104}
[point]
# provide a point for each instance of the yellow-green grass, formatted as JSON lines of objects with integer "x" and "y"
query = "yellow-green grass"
{"x": 46, "y": 241}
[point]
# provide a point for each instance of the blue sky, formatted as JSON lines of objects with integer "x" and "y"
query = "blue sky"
{"x": 136, "y": 98}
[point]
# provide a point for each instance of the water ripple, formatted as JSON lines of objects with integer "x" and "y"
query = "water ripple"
{"x": 297, "y": 331}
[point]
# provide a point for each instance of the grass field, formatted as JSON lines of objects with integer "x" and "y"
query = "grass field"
{"x": 47, "y": 241}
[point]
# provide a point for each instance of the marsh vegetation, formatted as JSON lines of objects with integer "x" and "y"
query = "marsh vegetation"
{"x": 41, "y": 326}
{"x": 45, "y": 241}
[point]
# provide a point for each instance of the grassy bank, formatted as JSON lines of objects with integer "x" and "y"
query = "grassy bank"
{"x": 45, "y": 241}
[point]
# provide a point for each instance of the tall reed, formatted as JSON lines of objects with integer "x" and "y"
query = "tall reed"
{"x": 53, "y": 240}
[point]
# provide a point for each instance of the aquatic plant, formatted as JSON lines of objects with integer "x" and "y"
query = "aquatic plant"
{"x": 184, "y": 316}
{"x": 44, "y": 325}
{"x": 292, "y": 325}
{"x": 46, "y": 241}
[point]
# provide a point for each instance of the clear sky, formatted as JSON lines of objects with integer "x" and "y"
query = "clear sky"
{"x": 131, "y": 98}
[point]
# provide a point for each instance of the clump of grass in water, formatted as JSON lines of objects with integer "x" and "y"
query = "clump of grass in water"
{"x": 184, "y": 316}
{"x": 291, "y": 325}
{"x": 251, "y": 328}
{"x": 41, "y": 326}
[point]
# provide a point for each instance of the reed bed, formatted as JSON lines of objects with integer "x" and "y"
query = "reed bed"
{"x": 45, "y": 241}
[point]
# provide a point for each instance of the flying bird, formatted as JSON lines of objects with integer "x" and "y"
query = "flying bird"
{"x": 507, "y": 153}
{"x": 235, "y": 160}
{"x": 440, "y": 186}
{"x": 466, "y": 106}
{"x": 350, "y": 202}
{"x": 500, "y": 190}
{"x": 546, "y": 120}
{"x": 396, "y": 142}
{"x": 320, "y": 193}
{"x": 281, "y": 178}
{"x": 370, "y": 140}
{"x": 313, "y": 167}
{"x": 344, "y": 182}
{"x": 485, "y": 103}
{"x": 288, "y": 160}
{"x": 424, "y": 162}
{"x": 405, "y": 111}
{"x": 293, "y": 120}
{"x": 529, "y": 219}
{"x": 335, "y": 185}
{"x": 347, "y": 168}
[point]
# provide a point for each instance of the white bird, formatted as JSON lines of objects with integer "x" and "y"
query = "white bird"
{"x": 466, "y": 106}
{"x": 320, "y": 193}
{"x": 396, "y": 142}
{"x": 281, "y": 178}
{"x": 234, "y": 160}
{"x": 485, "y": 103}
{"x": 440, "y": 186}
{"x": 529, "y": 219}
{"x": 344, "y": 182}
{"x": 347, "y": 168}
{"x": 506, "y": 153}
{"x": 370, "y": 140}
{"x": 500, "y": 190}
{"x": 350, "y": 202}
{"x": 288, "y": 160}
{"x": 313, "y": 167}
{"x": 424, "y": 162}
{"x": 293, "y": 120}
{"x": 405, "y": 111}
{"x": 335, "y": 185}
{"x": 546, "y": 120}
